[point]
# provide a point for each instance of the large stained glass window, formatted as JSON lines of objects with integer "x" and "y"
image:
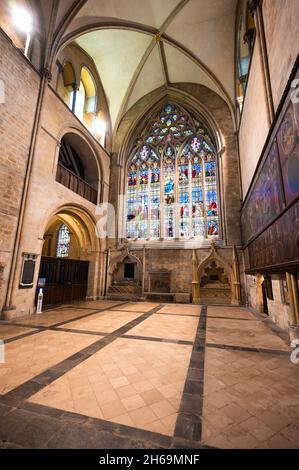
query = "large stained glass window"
{"x": 172, "y": 180}
{"x": 63, "y": 242}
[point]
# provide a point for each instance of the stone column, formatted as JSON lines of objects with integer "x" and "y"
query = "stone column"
{"x": 294, "y": 305}
{"x": 143, "y": 270}
{"x": 195, "y": 284}
{"x": 236, "y": 284}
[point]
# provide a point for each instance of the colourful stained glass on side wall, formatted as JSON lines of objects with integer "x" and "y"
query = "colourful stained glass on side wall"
{"x": 63, "y": 242}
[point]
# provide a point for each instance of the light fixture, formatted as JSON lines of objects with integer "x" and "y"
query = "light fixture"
{"x": 100, "y": 129}
{"x": 23, "y": 21}
{"x": 100, "y": 126}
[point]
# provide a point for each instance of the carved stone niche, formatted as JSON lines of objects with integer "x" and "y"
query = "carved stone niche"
{"x": 127, "y": 270}
{"x": 126, "y": 278}
{"x": 160, "y": 281}
{"x": 215, "y": 285}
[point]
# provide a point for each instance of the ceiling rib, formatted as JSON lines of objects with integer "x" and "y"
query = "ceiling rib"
{"x": 165, "y": 37}
{"x": 172, "y": 42}
{"x": 164, "y": 63}
{"x": 172, "y": 15}
{"x": 147, "y": 53}
{"x": 145, "y": 29}
{"x": 132, "y": 83}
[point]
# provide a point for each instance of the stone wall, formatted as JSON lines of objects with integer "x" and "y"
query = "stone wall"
{"x": 279, "y": 311}
{"x": 46, "y": 197}
{"x": 281, "y": 20}
{"x": 281, "y": 26}
{"x": 254, "y": 126}
{"x": 21, "y": 83}
{"x": 179, "y": 262}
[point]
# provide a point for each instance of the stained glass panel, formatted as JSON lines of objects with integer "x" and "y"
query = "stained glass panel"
{"x": 169, "y": 193}
{"x": 63, "y": 242}
{"x": 155, "y": 201}
{"x": 174, "y": 159}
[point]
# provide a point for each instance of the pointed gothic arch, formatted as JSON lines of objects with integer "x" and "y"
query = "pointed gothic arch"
{"x": 172, "y": 179}
{"x": 216, "y": 280}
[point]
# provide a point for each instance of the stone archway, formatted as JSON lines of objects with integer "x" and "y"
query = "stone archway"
{"x": 75, "y": 276}
{"x": 215, "y": 281}
{"x": 125, "y": 277}
{"x": 214, "y": 284}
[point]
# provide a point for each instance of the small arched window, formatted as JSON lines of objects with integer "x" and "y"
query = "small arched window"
{"x": 66, "y": 84}
{"x": 172, "y": 180}
{"x": 79, "y": 101}
{"x": 246, "y": 33}
{"x": 63, "y": 242}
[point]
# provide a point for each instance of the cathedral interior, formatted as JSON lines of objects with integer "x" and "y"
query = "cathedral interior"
{"x": 149, "y": 224}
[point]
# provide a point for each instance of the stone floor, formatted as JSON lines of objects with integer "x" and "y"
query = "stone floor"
{"x": 110, "y": 374}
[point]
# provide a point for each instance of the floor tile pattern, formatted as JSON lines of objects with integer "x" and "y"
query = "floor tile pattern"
{"x": 108, "y": 374}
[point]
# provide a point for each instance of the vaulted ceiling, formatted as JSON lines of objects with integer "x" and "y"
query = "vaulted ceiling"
{"x": 141, "y": 45}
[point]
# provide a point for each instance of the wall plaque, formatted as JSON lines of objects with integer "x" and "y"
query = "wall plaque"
{"x": 28, "y": 269}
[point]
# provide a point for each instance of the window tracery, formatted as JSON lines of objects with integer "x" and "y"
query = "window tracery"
{"x": 172, "y": 180}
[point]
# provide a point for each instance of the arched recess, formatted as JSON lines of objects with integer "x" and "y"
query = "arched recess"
{"x": 78, "y": 164}
{"x": 66, "y": 83}
{"x": 81, "y": 268}
{"x": 143, "y": 115}
{"x": 85, "y": 94}
{"x": 125, "y": 276}
{"x": 216, "y": 280}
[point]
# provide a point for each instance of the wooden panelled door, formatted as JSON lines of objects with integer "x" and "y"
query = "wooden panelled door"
{"x": 66, "y": 280}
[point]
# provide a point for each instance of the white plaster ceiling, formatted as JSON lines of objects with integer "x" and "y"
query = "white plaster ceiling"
{"x": 196, "y": 45}
{"x": 183, "y": 69}
{"x": 147, "y": 12}
{"x": 127, "y": 49}
{"x": 147, "y": 81}
{"x": 207, "y": 29}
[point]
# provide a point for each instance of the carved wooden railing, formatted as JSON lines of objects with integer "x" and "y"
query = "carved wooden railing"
{"x": 75, "y": 183}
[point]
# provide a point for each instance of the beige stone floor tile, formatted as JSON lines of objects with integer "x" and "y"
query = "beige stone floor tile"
{"x": 253, "y": 411}
{"x": 278, "y": 441}
{"x": 160, "y": 326}
{"x": 133, "y": 397}
{"x": 27, "y": 357}
{"x": 243, "y": 333}
{"x": 137, "y": 307}
{"x": 51, "y": 317}
{"x": 240, "y": 437}
{"x": 124, "y": 419}
{"x": 251, "y": 400}
{"x": 158, "y": 427}
{"x": 106, "y": 321}
{"x": 97, "y": 304}
{"x": 230, "y": 312}
{"x": 257, "y": 428}
{"x": 163, "y": 409}
{"x": 219, "y": 442}
{"x": 143, "y": 416}
{"x": 113, "y": 409}
{"x": 133, "y": 402}
{"x": 169, "y": 422}
{"x": 152, "y": 396}
{"x": 126, "y": 391}
{"x": 10, "y": 331}
{"x": 181, "y": 309}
